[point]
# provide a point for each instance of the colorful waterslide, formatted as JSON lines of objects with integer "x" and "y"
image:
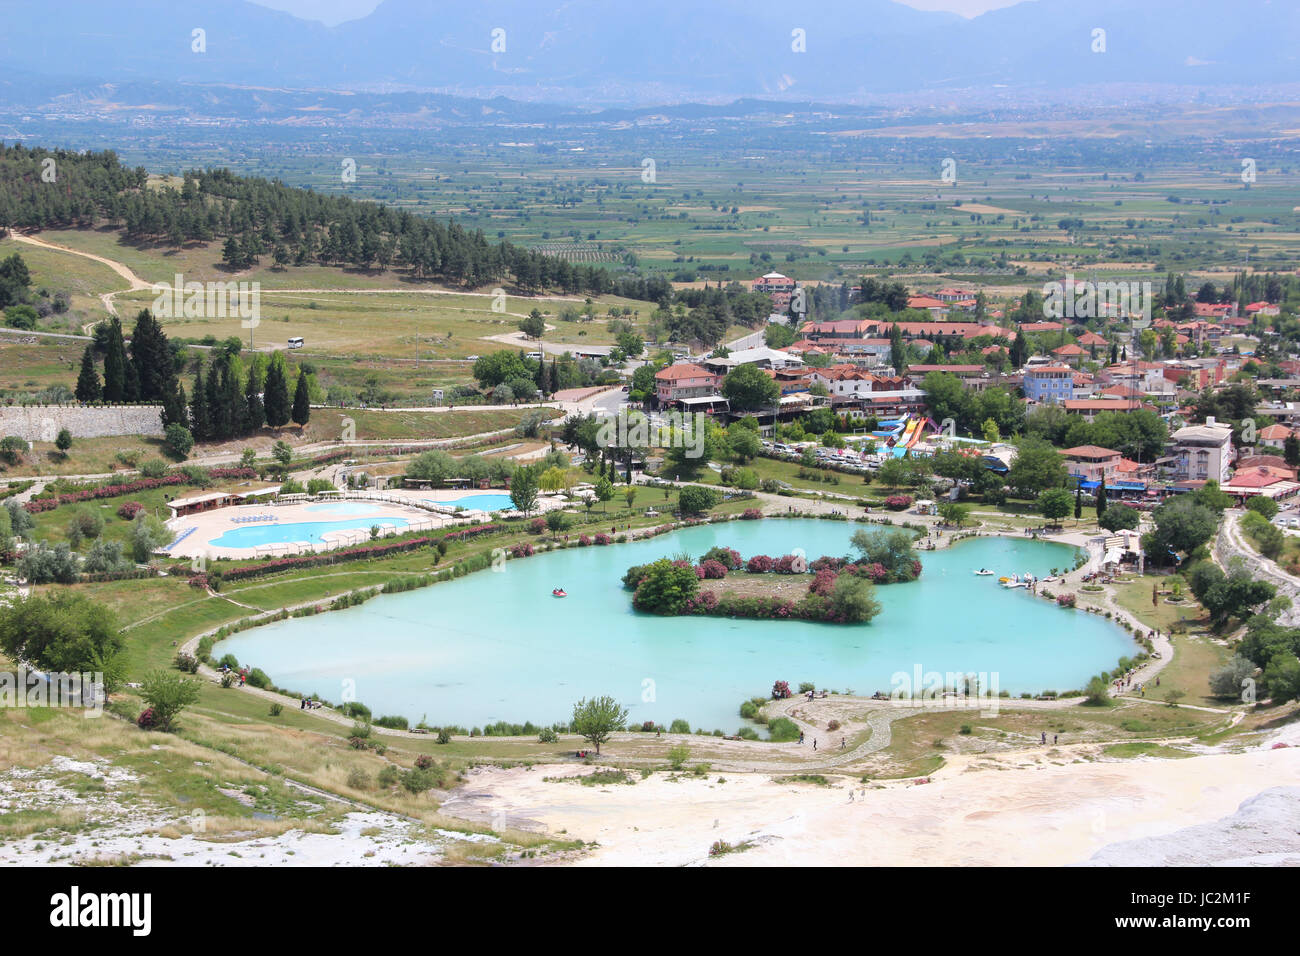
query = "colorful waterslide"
{"x": 921, "y": 424}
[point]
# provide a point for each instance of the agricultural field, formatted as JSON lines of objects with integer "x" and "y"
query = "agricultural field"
{"x": 818, "y": 218}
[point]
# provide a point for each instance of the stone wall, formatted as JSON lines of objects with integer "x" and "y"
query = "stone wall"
{"x": 43, "y": 422}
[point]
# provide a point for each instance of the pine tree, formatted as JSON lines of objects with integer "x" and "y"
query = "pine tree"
{"x": 89, "y": 388}
{"x": 232, "y": 255}
{"x": 276, "y": 393}
{"x": 115, "y": 363}
{"x": 301, "y": 401}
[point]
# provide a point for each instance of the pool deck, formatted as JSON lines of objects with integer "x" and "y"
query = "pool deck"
{"x": 196, "y": 533}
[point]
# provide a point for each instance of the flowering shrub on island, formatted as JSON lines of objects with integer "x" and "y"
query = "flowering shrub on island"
{"x": 787, "y": 563}
{"x": 710, "y": 569}
{"x": 823, "y": 582}
{"x": 727, "y": 557}
{"x": 898, "y": 502}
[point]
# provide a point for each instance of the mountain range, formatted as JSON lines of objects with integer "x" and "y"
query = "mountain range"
{"x": 602, "y": 52}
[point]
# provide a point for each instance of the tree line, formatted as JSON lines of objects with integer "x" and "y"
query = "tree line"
{"x": 228, "y": 398}
{"x": 255, "y": 217}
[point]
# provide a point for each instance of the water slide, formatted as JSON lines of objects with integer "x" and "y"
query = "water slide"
{"x": 890, "y": 429}
{"x": 921, "y": 424}
{"x": 910, "y": 433}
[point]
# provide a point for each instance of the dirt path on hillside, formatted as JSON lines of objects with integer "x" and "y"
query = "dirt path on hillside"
{"x": 134, "y": 281}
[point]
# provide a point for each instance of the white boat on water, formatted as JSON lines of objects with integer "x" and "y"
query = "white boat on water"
{"x": 982, "y": 572}
{"x": 1015, "y": 581}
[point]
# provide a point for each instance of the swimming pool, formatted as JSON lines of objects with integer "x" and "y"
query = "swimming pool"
{"x": 255, "y": 535}
{"x": 346, "y": 509}
{"x": 496, "y": 646}
{"x": 478, "y": 503}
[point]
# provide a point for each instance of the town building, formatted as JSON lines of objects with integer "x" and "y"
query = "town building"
{"x": 1202, "y": 452}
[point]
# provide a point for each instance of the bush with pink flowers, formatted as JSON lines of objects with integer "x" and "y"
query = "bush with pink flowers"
{"x": 759, "y": 564}
{"x": 711, "y": 570}
{"x": 898, "y": 502}
{"x": 129, "y": 509}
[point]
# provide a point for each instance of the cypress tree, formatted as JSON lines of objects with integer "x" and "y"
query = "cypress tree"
{"x": 1101, "y": 498}
{"x": 200, "y": 418}
{"x": 254, "y": 413}
{"x": 89, "y": 388}
{"x": 132, "y": 389}
{"x": 897, "y": 354}
{"x": 218, "y": 411}
{"x": 301, "y": 401}
{"x": 151, "y": 357}
{"x": 174, "y": 411}
{"x": 1078, "y": 503}
{"x": 115, "y": 363}
{"x": 1291, "y": 450}
{"x": 276, "y": 393}
{"x": 232, "y": 394}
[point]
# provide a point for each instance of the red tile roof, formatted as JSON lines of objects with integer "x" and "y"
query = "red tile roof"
{"x": 686, "y": 370}
{"x": 1089, "y": 451}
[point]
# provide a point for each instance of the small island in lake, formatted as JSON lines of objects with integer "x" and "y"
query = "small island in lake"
{"x": 837, "y": 590}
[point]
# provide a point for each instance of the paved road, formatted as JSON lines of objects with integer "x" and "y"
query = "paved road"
{"x": 1230, "y": 544}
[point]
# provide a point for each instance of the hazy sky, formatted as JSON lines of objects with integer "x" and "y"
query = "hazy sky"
{"x": 336, "y": 11}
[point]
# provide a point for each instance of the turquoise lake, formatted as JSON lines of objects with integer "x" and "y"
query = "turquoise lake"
{"x": 497, "y": 646}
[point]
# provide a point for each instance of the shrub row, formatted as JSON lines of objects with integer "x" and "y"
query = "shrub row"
{"x": 42, "y": 504}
